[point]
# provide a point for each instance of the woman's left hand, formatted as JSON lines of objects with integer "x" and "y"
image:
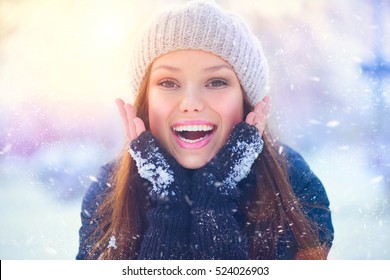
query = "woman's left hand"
{"x": 258, "y": 117}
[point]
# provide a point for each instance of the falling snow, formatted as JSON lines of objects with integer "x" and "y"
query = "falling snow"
{"x": 53, "y": 142}
{"x": 112, "y": 243}
{"x": 5, "y": 149}
{"x": 377, "y": 180}
{"x": 333, "y": 124}
{"x": 93, "y": 178}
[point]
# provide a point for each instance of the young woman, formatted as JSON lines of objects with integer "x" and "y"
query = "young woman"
{"x": 202, "y": 177}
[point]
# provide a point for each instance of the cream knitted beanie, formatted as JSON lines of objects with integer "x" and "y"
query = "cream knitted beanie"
{"x": 202, "y": 25}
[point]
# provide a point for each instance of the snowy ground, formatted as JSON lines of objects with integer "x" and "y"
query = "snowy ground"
{"x": 36, "y": 225}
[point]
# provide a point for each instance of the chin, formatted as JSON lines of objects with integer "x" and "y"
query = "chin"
{"x": 192, "y": 163}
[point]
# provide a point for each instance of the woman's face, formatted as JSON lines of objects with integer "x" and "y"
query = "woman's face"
{"x": 194, "y": 100}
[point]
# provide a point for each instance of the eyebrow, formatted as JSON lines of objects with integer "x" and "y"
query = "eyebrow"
{"x": 218, "y": 67}
{"x": 166, "y": 67}
{"x": 208, "y": 69}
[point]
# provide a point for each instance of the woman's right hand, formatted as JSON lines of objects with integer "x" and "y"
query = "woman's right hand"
{"x": 133, "y": 125}
{"x": 154, "y": 163}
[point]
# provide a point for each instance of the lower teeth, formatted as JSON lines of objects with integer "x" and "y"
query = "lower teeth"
{"x": 190, "y": 140}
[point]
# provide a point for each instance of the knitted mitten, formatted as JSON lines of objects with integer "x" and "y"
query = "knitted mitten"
{"x": 215, "y": 233}
{"x": 167, "y": 235}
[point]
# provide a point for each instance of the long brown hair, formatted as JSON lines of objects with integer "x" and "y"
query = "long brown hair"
{"x": 273, "y": 211}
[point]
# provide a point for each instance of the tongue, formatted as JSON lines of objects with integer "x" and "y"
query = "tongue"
{"x": 193, "y": 135}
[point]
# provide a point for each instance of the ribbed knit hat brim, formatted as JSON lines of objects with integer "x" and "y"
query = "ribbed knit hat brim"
{"x": 202, "y": 25}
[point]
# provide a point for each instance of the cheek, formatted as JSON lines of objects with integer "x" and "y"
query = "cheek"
{"x": 158, "y": 114}
{"x": 231, "y": 113}
{"x": 231, "y": 110}
{"x": 160, "y": 109}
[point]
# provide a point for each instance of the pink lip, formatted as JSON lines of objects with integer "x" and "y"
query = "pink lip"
{"x": 192, "y": 122}
{"x": 198, "y": 144}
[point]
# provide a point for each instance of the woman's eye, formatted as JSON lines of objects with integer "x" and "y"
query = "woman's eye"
{"x": 217, "y": 83}
{"x": 168, "y": 84}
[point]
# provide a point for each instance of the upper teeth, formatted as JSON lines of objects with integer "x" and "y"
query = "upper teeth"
{"x": 203, "y": 127}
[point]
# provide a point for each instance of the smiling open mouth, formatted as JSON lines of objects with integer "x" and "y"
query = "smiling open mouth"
{"x": 193, "y": 133}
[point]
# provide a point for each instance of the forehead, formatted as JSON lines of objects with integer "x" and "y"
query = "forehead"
{"x": 180, "y": 58}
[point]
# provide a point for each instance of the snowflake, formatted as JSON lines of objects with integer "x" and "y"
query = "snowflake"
{"x": 112, "y": 243}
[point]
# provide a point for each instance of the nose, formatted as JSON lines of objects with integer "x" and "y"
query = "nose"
{"x": 191, "y": 101}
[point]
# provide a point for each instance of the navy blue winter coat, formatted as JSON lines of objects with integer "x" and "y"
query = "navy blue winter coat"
{"x": 210, "y": 227}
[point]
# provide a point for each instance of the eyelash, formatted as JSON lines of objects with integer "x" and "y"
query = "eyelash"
{"x": 173, "y": 84}
{"x": 221, "y": 83}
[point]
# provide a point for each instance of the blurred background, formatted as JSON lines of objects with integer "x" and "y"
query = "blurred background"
{"x": 63, "y": 63}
